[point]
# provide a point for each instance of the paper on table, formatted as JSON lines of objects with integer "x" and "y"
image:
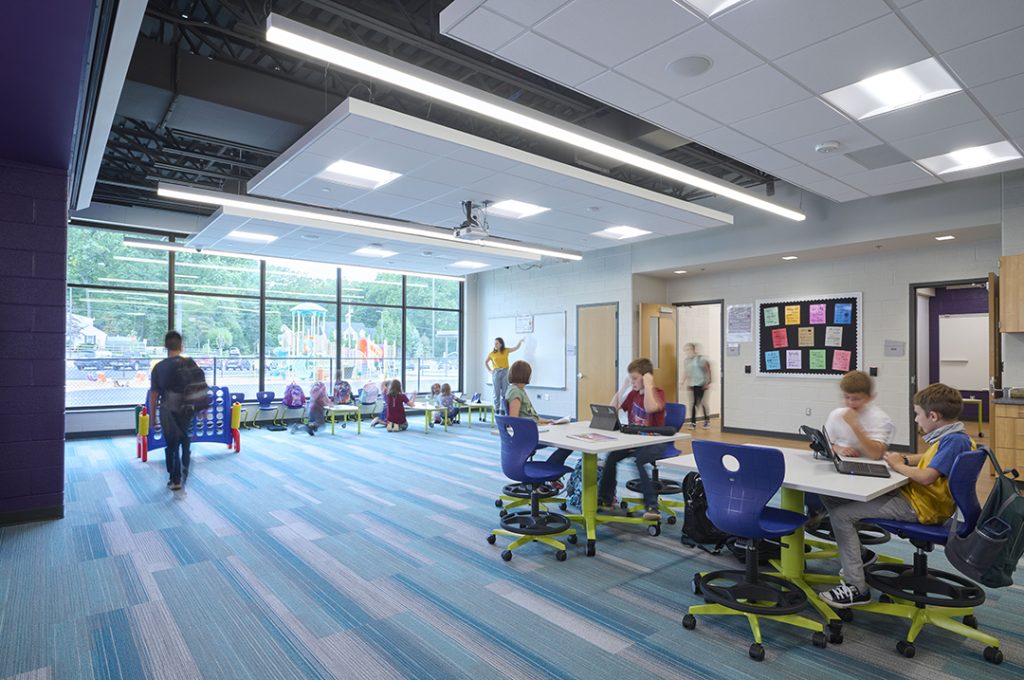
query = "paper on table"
{"x": 561, "y": 421}
{"x": 771, "y": 361}
{"x": 792, "y": 315}
{"x": 817, "y": 359}
{"x": 794, "y": 358}
{"x": 591, "y": 437}
{"x": 771, "y": 316}
{"x": 817, "y": 314}
{"x": 805, "y": 336}
{"x": 780, "y": 337}
{"x": 833, "y": 336}
{"x": 841, "y": 360}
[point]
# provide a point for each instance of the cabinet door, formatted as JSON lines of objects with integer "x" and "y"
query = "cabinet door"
{"x": 1011, "y": 294}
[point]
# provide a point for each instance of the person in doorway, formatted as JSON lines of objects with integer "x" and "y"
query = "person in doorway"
{"x": 696, "y": 376}
{"x": 165, "y": 389}
{"x": 497, "y": 366}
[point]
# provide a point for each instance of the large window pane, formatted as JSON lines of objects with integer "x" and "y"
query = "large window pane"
{"x": 113, "y": 337}
{"x": 367, "y": 287}
{"x": 421, "y": 291}
{"x": 302, "y": 280}
{"x": 195, "y": 272}
{"x": 98, "y": 257}
{"x": 222, "y": 335}
{"x": 371, "y": 343}
{"x": 431, "y": 349}
{"x": 300, "y": 344}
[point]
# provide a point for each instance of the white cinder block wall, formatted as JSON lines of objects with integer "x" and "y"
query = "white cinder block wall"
{"x": 778, "y": 404}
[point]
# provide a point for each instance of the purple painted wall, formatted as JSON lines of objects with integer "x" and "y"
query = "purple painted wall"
{"x": 955, "y": 301}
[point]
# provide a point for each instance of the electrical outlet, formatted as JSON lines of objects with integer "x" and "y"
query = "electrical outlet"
{"x": 807, "y": 411}
{"x": 546, "y": 396}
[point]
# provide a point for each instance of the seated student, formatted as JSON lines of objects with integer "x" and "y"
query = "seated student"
{"x": 434, "y": 399}
{"x": 925, "y": 499}
{"x": 382, "y": 419}
{"x": 318, "y": 403}
{"x": 860, "y": 428}
{"x": 447, "y": 400}
{"x": 520, "y": 406}
{"x": 644, "y": 404}
{"x": 396, "y": 402}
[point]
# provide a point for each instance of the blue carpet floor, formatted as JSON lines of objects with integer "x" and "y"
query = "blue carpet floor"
{"x": 364, "y": 557}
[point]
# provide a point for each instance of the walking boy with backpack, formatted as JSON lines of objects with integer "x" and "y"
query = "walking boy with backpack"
{"x": 180, "y": 386}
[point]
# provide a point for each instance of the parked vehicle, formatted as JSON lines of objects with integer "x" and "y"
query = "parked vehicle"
{"x": 236, "y": 362}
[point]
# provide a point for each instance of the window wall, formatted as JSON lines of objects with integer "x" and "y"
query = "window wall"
{"x": 122, "y": 299}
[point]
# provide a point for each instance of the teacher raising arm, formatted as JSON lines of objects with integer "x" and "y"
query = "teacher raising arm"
{"x": 497, "y": 364}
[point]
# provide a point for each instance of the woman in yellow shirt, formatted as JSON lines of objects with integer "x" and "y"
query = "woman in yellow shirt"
{"x": 497, "y": 365}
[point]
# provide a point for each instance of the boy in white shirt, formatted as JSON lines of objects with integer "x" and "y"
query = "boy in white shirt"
{"x": 860, "y": 428}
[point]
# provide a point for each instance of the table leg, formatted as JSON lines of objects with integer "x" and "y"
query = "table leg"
{"x": 359, "y": 422}
{"x": 589, "y": 499}
{"x": 791, "y": 565}
{"x": 332, "y": 423}
{"x": 426, "y": 421}
{"x": 469, "y": 417}
{"x": 445, "y": 416}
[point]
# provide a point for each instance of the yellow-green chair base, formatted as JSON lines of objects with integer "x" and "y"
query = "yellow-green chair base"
{"x": 523, "y": 539}
{"x": 940, "y": 617}
{"x": 671, "y": 508}
{"x": 756, "y": 650}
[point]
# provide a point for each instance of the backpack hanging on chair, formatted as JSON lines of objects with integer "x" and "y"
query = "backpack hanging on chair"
{"x": 698, "y": 530}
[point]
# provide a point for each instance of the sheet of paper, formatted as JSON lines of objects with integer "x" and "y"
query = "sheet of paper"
{"x": 771, "y": 361}
{"x": 816, "y": 360}
{"x": 738, "y": 323}
{"x": 833, "y": 336}
{"x": 843, "y": 313}
{"x": 841, "y": 360}
{"x": 805, "y": 336}
{"x": 794, "y": 358}
{"x": 792, "y": 315}
{"x": 562, "y": 421}
{"x": 817, "y": 314}
{"x": 771, "y": 316}
{"x": 780, "y": 338}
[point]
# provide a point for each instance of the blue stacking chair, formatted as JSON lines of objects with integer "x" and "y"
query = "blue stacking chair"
{"x": 926, "y": 595}
{"x": 738, "y": 505}
{"x": 675, "y": 417}
{"x": 519, "y": 439}
{"x": 264, "y": 404}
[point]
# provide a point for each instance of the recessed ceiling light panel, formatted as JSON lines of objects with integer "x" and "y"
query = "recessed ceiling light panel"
{"x": 790, "y": 257}
{"x": 515, "y": 209}
{"x": 690, "y": 67}
{"x": 947, "y": 237}
{"x": 468, "y": 264}
{"x": 358, "y": 175}
{"x": 709, "y": 8}
{"x": 373, "y": 251}
{"x": 970, "y": 158}
{"x": 679, "y": 271}
{"x": 895, "y": 89}
{"x": 619, "y": 233}
{"x": 240, "y": 235}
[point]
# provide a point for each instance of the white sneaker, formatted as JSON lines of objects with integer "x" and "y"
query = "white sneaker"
{"x": 692, "y": 426}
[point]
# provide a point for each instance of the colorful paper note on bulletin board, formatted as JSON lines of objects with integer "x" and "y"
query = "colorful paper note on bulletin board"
{"x": 771, "y": 361}
{"x": 771, "y": 316}
{"x": 817, "y": 314}
{"x": 780, "y": 338}
{"x": 833, "y": 336}
{"x": 792, "y": 315}
{"x": 841, "y": 360}
{"x": 794, "y": 358}
{"x": 829, "y": 352}
{"x": 805, "y": 336}
{"x": 817, "y": 360}
{"x": 843, "y": 313}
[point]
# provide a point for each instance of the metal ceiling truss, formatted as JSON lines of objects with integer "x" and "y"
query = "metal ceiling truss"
{"x": 231, "y": 31}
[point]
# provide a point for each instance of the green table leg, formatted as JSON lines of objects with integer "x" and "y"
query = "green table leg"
{"x": 469, "y": 417}
{"x": 332, "y": 423}
{"x": 791, "y": 565}
{"x": 426, "y": 421}
{"x": 589, "y": 499}
{"x": 359, "y": 422}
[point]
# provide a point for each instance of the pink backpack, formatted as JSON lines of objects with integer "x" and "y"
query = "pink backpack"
{"x": 294, "y": 397}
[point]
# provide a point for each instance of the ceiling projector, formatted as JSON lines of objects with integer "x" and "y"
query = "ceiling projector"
{"x": 472, "y": 228}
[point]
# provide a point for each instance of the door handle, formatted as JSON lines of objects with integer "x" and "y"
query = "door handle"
{"x": 579, "y": 375}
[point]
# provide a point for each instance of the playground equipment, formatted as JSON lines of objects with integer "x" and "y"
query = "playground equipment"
{"x": 219, "y": 423}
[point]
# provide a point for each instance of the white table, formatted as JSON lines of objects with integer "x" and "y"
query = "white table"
{"x": 559, "y": 436}
{"x": 804, "y": 473}
{"x": 346, "y": 411}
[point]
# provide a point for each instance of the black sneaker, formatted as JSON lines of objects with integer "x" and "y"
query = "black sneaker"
{"x": 844, "y": 595}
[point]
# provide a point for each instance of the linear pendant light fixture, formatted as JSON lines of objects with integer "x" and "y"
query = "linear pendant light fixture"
{"x": 347, "y": 55}
{"x": 280, "y": 210}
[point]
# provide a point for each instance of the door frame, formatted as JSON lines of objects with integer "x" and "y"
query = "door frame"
{"x": 912, "y": 354}
{"x": 721, "y": 349}
{"x": 615, "y": 369}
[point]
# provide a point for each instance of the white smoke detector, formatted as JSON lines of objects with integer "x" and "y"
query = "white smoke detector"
{"x": 827, "y": 147}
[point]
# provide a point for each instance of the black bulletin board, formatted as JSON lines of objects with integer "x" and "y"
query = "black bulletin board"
{"x": 809, "y": 337}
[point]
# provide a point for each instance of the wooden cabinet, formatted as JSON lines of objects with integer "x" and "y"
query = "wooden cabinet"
{"x": 1008, "y": 439}
{"x": 1011, "y": 294}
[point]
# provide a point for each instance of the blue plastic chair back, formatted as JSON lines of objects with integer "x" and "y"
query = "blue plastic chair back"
{"x": 237, "y": 397}
{"x": 519, "y": 437}
{"x": 265, "y": 399}
{"x": 737, "y": 499}
{"x": 963, "y": 480}
{"x": 675, "y": 417}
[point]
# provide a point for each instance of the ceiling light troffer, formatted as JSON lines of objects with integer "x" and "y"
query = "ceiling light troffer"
{"x": 358, "y": 175}
{"x": 970, "y": 158}
{"x": 515, "y": 209}
{"x": 895, "y": 89}
{"x": 619, "y": 233}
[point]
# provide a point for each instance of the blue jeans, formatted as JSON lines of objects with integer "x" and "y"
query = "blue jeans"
{"x": 500, "y": 378}
{"x": 643, "y": 456}
{"x": 178, "y": 451}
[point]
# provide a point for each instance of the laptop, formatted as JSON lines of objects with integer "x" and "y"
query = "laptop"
{"x": 821, "y": 444}
{"x": 604, "y": 417}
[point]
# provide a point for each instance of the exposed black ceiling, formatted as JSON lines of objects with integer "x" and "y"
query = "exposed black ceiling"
{"x": 209, "y": 103}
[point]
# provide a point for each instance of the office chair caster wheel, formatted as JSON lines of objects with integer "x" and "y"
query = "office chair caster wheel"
{"x": 503, "y": 513}
{"x": 835, "y": 633}
{"x": 971, "y": 621}
{"x": 756, "y": 652}
{"x": 506, "y": 555}
{"x": 560, "y": 556}
{"x": 498, "y": 503}
{"x": 654, "y": 530}
{"x": 624, "y": 505}
{"x": 491, "y": 539}
{"x": 835, "y": 638}
{"x": 819, "y": 641}
{"x": 591, "y": 547}
{"x": 572, "y": 538}
{"x": 563, "y": 507}
{"x": 907, "y": 649}
{"x": 993, "y": 655}
{"x": 689, "y": 622}
{"x": 671, "y": 519}
{"x": 695, "y": 585}
{"x": 845, "y": 615}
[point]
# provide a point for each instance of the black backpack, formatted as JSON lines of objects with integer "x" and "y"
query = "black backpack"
{"x": 189, "y": 387}
{"x": 698, "y": 531}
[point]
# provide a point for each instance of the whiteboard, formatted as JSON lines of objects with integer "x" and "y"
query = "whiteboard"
{"x": 963, "y": 351}
{"x": 544, "y": 348}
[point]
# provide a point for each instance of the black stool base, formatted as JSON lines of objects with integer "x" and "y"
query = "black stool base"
{"x": 937, "y": 588}
{"x": 535, "y": 524}
{"x": 782, "y": 596}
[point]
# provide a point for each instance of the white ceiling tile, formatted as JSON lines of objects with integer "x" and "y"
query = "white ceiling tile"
{"x": 622, "y": 92}
{"x": 313, "y": 191}
{"x": 802, "y": 175}
{"x": 836, "y": 165}
{"x": 652, "y": 67}
{"x": 988, "y": 60}
{"x": 378, "y": 153}
{"x": 835, "y": 190}
{"x": 485, "y": 29}
{"x": 381, "y": 203}
{"x": 415, "y": 187}
{"x": 874, "y": 181}
{"x": 1002, "y": 96}
{"x": 766, "y": 159}
{"x": 935, "y": 114}
{"x": 948, "y": 24}
{"x": 481, "y": 159}
{"x": 550, "y": 60}
{"x": 452, "y": 172}
{"x": 877, "y": 46}
{"x": 412, "y": 140}
{"x": 851, "y": 137}
{"x": 943, "y": 141}
{"x": 611, "y": 31}
{"x": 756, "y": 91}
{"x": 777, "y": 28}
{"x": 728, "y": 141}
{"x": 680, "y": 119}
{"x": 792, "y": 121}
{"x": 525, "y": 13}
{"x": 1013, "y": 123}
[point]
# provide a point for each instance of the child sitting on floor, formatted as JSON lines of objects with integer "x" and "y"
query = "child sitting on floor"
{"x": 382, "y": 419}
{"x": 318, "y": 403}
{"x": 447, "y": 401}
{"x": 396, "y": 402}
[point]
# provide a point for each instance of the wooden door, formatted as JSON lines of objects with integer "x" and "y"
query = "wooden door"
{"x": 658, "y": 343}
{"x": 597, "y": 353}
{"x": 1011, "y": 297}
